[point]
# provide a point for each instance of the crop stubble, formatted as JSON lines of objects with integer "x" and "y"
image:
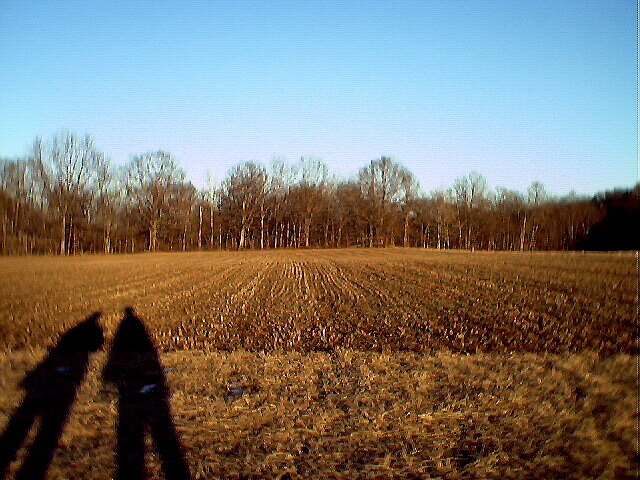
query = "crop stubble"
{"x": 319, "y": 300}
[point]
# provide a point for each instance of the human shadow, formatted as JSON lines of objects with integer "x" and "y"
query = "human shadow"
{"x": 50, "y": 392}
{"x": 134, "y": 367}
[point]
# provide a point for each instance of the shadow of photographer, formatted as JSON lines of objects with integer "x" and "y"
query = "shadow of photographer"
{"x": 134, "y": 368}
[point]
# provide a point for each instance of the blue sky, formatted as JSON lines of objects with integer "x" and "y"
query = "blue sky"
{"x": 519, "y": 91}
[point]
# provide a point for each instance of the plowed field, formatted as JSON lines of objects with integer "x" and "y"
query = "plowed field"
{"x": 344, "y": 364}
{"x": 383, "y": 300}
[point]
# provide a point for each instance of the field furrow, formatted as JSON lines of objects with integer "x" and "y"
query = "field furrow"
{"x": 387, "y": 300}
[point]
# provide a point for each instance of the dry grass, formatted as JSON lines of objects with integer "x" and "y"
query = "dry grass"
{"x": 351, "y": 364}
{"x": 368, "y": 415}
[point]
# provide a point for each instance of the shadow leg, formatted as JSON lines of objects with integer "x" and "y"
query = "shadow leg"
{"x": 16, "y": 433}
{"x": 130, "y": 442}
{"x": 40, "y": 454}
{"x": 167, "y": 444}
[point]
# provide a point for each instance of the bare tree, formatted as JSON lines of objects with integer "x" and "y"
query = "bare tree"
{"x": 181, "y": 201}
{"x": 511, "y": 210}
{"x": 537, "y": 195}
{"x": 67, "y": 166}
{"x": 151, "y": 179}
{"x": 382, "y": 184}
{"x": 106, "y": 197}
{"x": 309, "y": 194}
{"x": 244, "y": 192}
{"x": 409, "y": 187}
{"x": 471, "y": 199}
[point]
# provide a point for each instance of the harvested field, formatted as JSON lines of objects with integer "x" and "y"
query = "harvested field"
{"x": 349, "y": 363}
{"x": 368, "y": 415}
{"x": 318, "y": 300}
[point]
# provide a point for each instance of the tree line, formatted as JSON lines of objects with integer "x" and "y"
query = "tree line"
{"x": 65, "y": 197}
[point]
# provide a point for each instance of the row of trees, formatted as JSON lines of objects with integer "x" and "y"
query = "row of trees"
{"x": 67, "y": 198}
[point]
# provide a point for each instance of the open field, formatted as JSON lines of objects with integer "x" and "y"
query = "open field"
{"x": 349, "y": 363}
{"x": 368, "y": 415}
{"x": 392, "y": 300}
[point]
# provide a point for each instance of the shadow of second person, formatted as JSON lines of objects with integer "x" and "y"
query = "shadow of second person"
{"x": 134, "y": 367}
{"x": 50, "y": 393}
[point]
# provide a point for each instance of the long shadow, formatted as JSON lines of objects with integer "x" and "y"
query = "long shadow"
{"x": 50, "y": 392}
{"x": 134, "y": 367}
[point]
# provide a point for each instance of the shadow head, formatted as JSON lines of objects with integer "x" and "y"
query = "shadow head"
{"x": 86, "y": 336}
{"x": 132, "y": 335}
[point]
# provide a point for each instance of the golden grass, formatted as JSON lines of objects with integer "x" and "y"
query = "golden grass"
{"x": 353, "y": 414}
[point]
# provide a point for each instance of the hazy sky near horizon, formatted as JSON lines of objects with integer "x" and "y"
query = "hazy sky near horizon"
{"x": 519, "y": 91}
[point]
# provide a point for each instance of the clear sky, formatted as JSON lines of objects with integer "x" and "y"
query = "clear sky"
{"x": 519, "y": 91}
